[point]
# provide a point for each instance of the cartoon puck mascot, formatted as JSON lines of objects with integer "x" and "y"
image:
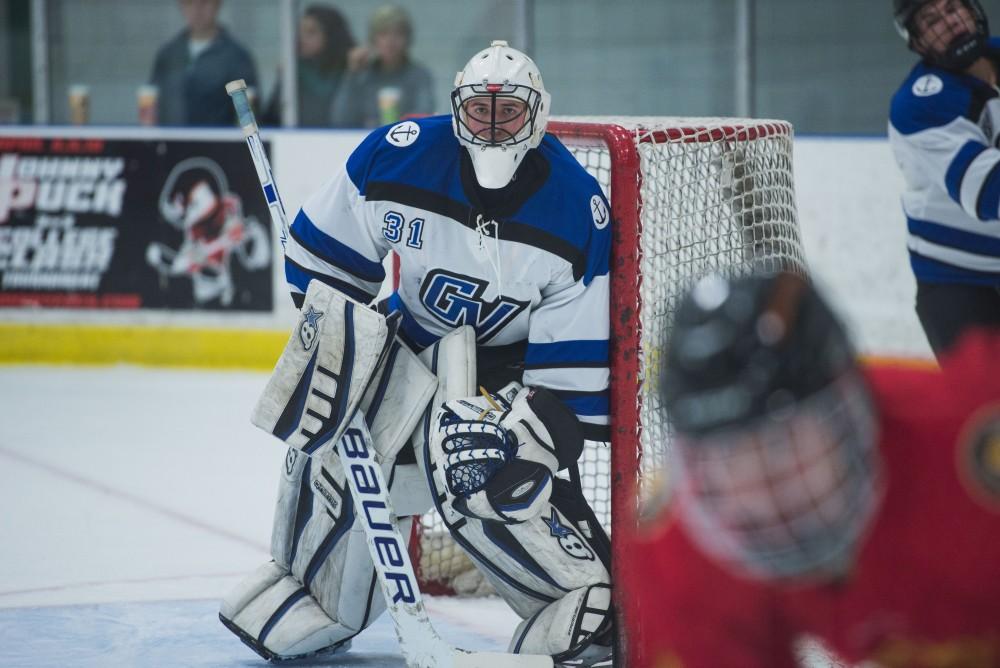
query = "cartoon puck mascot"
{"x": 503, "y": 240}
{"x": 944, "y": 129}
{"x": 196, "y": 199}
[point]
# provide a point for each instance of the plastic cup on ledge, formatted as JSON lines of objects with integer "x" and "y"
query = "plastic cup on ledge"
{"x": 78, "y": 96}
{"x": 147, "y": 101}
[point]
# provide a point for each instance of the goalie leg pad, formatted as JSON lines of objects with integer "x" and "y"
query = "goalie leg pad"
{"x": 396, "y": 398}
{"x": 453, "y": 360}
{"x": 284, "y": 530}
{"x": 282, "y": 618}
{"x": 323, "y": 590}
{"x": 393, "y": 404}
{"x": 275, "y": 616}
{"x": 576, "y": 627}
{"x": 324, "y": 371}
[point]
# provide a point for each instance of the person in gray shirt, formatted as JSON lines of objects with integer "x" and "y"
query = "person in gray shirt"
{"x": 383, "y": 83}
{"x": 192, "y": 69}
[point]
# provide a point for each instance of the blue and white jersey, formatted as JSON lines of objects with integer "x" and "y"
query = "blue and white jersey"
{"x": 532, "y": 268}
{"x": 944, "y": 129}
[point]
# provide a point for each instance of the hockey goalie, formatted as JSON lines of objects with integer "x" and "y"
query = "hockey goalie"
{"x": 478, "y": 380}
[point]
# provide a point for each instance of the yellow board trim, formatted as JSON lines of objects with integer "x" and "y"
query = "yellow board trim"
{"x": 146, "y": 345}
{"x": 252, "y": 349}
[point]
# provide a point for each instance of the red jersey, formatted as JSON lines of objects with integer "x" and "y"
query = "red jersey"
{"x": 924, "y": 590}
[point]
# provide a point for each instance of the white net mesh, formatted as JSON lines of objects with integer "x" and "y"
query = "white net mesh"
{"x": 689, "y": 197}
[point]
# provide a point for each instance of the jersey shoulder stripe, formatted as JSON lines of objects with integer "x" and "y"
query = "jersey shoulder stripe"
{"x": 416, "y": 336}
{"x": 585, "y": 353}
{"x": 988, "y": 202}
{"x": 328, "y": 249}
{"x": 378, "y": 160}
{"x": 931, "y": 97}
{"x": 299, "y": 276}
{"x": 574, "y": 203}
{"x": 585, "y": 403}
{"x": 935, "y": 271}
{"x": 959, "y": 167}
{"x": 565, "y": 198}
{"x": 421, "y": 198}
{"x": 513, "y": 230}
{"x": 955, "y": 238}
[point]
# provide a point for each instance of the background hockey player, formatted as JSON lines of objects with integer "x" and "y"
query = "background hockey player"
{"x": 860, "y": 505}
{"x": 504, "y": 238}
{"x": 944, "y": 126}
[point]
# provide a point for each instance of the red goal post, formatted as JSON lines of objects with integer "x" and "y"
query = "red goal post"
{"x": 689, "y": 196}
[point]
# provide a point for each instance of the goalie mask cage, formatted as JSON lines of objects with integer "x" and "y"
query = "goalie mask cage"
{"x": 688, "y": 197}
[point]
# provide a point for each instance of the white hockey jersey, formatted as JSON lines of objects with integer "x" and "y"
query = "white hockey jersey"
{"x": 944, "y": 128}
{"x": 533, "y": 268}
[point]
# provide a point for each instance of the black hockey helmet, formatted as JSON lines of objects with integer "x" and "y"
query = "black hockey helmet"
{"x": 963, "y": 51}
{"x": 774, "y": 456}
{"x": 743, "y": 348}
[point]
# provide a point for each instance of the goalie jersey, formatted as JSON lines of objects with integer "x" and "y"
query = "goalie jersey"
{"x": 944, "y": 128}
{"x": 526, "y": 266}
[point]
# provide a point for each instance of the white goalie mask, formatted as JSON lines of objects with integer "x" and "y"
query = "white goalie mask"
{"x": 499, "y": 111}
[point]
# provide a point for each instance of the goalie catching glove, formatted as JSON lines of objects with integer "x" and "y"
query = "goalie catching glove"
{"x": 497, "y": 453}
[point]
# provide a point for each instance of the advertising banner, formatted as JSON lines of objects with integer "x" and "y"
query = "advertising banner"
{"x": 132, "y": 224}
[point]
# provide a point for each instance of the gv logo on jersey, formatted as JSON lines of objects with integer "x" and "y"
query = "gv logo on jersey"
{"x": 457, "y": 300}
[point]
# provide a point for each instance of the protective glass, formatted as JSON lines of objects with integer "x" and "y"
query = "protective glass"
{"x": 790, "y": 495}
{"x": 495, "y": 114}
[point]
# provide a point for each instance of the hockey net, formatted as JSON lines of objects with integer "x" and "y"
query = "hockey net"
{"x": 688, "y": 197}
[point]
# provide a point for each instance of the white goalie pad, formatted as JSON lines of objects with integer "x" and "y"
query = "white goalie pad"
{"x": 318, "y": 592}
{"x": 324, "y": 371}
{"x": 393, "y": 406}
{"x": 396, "y": 398}
{"x": 453, "y": 361}
{"x": 566, "y": 628}
{"x": 304, "y": 629}
{"x": 551, "y": 563}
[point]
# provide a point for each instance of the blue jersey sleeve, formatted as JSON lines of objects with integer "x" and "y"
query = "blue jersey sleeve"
{"x": 333, "y": 238}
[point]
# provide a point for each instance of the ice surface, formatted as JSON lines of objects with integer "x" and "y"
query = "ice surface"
{"x": 133, "y": 500}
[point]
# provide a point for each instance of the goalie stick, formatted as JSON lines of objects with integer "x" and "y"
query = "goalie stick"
{"x": 244, "y": 114}
{"x": 421, "y": 645}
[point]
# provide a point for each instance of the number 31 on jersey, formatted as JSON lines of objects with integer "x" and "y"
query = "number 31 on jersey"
{"x": 393, "y": 229}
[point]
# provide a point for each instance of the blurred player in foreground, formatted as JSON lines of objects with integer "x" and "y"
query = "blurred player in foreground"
{"x": 504, "y": 242}
{"x": 944, "y": 127}
{"x": 811, "y": 495}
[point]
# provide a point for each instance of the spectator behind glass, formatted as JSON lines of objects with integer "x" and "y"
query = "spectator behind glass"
{"x": 325, "y": 39}
{"x": 191, "y": 70}
{"x": 383, "y": 83}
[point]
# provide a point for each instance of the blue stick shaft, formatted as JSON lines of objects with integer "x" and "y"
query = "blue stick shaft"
{"x": 238, "y": 92}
